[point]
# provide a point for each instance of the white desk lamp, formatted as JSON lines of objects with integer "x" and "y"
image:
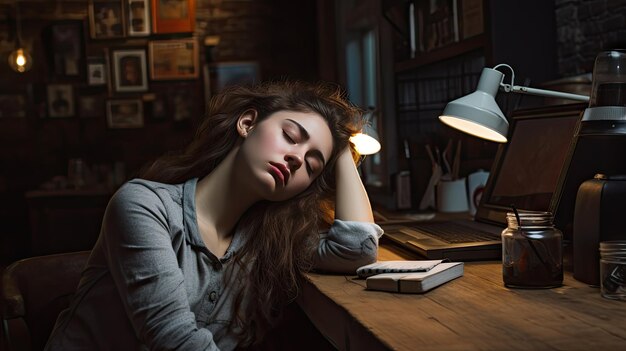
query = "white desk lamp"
{"x": 366, "y": 142}
{"x": 478, "y": 113}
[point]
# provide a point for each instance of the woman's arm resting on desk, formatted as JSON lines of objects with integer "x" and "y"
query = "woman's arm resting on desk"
{"x": 352, "y": 240}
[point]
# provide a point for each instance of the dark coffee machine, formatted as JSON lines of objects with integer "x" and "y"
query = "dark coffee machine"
{"x": 599, "y": 146}
{"x": 598, "y": 217}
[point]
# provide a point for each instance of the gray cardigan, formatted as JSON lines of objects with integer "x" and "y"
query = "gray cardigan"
{"x": 151, "y": 283}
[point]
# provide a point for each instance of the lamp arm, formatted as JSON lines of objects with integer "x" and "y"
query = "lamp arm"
{"x": 534, "y": 91}
{"x": 548, "y": 93}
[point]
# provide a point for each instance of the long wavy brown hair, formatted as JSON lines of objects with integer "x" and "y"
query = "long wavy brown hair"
{"x": 282, "y": 236}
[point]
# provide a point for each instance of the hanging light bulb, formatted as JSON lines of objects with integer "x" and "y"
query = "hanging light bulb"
{"x": 19, "y": 60}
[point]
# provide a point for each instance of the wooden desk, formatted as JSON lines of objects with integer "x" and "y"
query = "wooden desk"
{"x": 473, "y": 312}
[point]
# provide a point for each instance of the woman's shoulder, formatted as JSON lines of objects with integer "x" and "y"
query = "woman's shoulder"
{"x": 141, "y": 191}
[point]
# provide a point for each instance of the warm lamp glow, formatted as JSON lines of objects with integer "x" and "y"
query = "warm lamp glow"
{"x": 20, "y": 60}
{"x": 473, "y": 128}
{"x": 365, "y": 144}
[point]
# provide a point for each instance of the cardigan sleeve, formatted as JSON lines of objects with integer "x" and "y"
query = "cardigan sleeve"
{"x": 145, "y": 270}
{"x": 347, "y": 246}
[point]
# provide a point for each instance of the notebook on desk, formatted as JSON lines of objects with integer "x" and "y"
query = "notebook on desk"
{"x": 525, "y": 173}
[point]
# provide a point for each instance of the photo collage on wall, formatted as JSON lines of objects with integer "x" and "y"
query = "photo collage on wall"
{"x": 136, "y": 49}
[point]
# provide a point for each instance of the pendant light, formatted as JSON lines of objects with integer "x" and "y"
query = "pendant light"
{"x": 19, "y": 60}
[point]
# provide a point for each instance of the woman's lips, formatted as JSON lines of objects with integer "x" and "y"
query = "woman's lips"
{"x": 280, "y": 172}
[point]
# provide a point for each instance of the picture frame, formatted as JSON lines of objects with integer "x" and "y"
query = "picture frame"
{"x": 159, "y": 109}
{"x": 174, "y": 59}
{"x": 96, "y": 71}
{"x": 124, "y": 113}
{"x": 129, "y": 70}
{"x": 60, "y": 100}
{"x": 63, "y": 41}
{"x": 91, "y": 104}
{"x": 12, "y": 105}
{"x": 224, "y": 74}
{"x": 106, "y": 19}
{"x": 183, "y": 101}
{"x": 138, "y": 18}
{"x": 173, "y": 16}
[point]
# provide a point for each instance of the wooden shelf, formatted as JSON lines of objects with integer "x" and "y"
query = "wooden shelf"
{"x": 444, "y": 53}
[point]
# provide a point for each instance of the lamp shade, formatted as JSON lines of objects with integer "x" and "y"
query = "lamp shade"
{"x": 478, "y": 113}
{"x": 366, "y": 142}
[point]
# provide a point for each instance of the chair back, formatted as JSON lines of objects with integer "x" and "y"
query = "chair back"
{"x": 34, "y": 291}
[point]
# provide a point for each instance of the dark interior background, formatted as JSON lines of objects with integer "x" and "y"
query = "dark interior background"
{"x": 288, "y": 39}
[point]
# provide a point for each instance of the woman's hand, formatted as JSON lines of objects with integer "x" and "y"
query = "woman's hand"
{"x": 352, "y": 203}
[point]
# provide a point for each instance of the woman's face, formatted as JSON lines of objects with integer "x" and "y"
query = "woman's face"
{"x": 285, "y": 153}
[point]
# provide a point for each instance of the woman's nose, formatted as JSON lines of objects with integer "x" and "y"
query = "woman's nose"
{"x": 294, "y": 161}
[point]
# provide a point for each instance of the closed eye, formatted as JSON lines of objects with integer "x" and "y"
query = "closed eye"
{"x": 313, "y": 166}
{"x": 288, "y": 137}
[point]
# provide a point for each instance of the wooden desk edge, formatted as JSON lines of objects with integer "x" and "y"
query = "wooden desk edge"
{"x": 333, "y": 321}
{"x": 341, "y": 312}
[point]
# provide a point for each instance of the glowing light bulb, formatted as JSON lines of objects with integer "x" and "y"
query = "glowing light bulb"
{"x": 365, "y": 144}
{"x": 20, "y": 60}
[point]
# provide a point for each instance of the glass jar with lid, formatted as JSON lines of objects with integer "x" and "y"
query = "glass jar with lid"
{"x": 532, "y": 254}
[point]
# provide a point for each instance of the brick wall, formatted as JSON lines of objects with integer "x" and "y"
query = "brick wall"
{"x": 586, "y": 27}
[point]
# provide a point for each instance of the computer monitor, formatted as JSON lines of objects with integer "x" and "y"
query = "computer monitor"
{"x": 527, "y": 168}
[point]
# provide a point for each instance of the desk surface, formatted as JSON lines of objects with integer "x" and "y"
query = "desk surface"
{"x": 473, "y": 312}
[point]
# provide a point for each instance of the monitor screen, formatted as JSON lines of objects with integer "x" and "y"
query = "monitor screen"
{"x": 527, "y": 168}
{"x": 530, "y": 171}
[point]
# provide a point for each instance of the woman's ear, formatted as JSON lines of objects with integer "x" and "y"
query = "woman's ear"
{"x": 246, "y": 122}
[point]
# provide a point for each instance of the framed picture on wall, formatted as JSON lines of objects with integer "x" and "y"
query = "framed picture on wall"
{"x": 106, "y": 19}
{"x": 173, "y": 16}
{"x": 90, "y": 103}
{"x": 63, "y": 41}
{"x": 124, "y": 113}
{"x": 159, "y": 108}
{"x": 129, "y": 70}
{"x": 96, "y": 71}
{"x": 174, "y": 59}
{"x": 60, "y": 100}
{"x": 183, "y": 101}
{"x": 138, "y": 18}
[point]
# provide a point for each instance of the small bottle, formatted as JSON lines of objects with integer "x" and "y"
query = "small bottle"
{"x": 532, "y": 255}
{"x": 613, "y": 269}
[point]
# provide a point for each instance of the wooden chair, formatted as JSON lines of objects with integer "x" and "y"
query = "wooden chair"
{"x": 34, "y": 291}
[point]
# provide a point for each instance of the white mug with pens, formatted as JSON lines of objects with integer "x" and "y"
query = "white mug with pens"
{"x": 446, "y": 190}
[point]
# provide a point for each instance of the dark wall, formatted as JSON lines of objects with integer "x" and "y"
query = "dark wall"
{"x": 279, "y": 35}
{"x": 586, "y": 27}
